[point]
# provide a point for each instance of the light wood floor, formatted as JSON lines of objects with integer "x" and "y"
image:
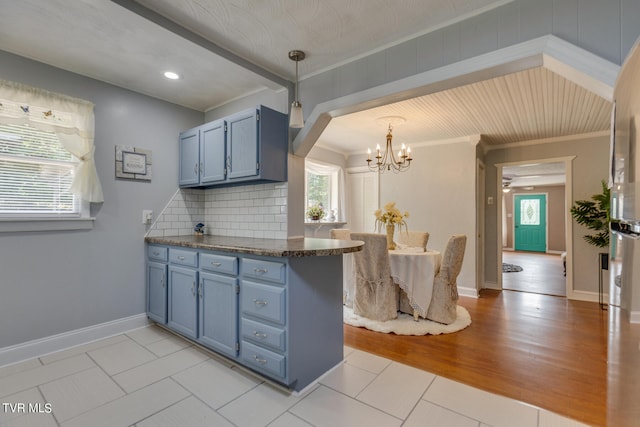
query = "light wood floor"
{"x": 541, "y": 273}
{"x": 547, "y": 351}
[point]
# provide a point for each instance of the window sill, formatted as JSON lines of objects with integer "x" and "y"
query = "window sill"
{"x": 318, "y": 224}
{"x": 45, "y": 224}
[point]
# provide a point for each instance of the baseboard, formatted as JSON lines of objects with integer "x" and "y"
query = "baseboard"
{"x": 467, "y": 292}
{"x": 634, "y": 317}
{"x": 587, "y": 296}
{"x": 555, "y": 252}
{"x": 491, "y": 285}
{"x": 40, "y": 347}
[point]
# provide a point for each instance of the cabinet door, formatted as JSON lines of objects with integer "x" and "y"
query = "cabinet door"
{"x": 157, "y": 291}
{"x": 189, "y": 152}
{"x": 212, "y": 152}
{"x": 242, "y": 145}
{"x": 183, "y": 304}
{"x": 219, "y": 313}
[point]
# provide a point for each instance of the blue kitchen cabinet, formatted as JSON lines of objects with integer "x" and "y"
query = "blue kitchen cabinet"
{"x": 157, "y": 284}
{"x": 278, "y": 316}
{"x": 218, "y": 313}
{"x": 212, "y": 152}
{"x": 242, "y": 156}
{"x": 189, "y": 146}
{"x": 202, "y": 153}
{"x": 249, "y": 146}
{"x": 183, "y": 289}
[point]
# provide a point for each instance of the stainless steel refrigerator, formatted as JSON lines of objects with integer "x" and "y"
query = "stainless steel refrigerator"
{"x": 625, "y": 189}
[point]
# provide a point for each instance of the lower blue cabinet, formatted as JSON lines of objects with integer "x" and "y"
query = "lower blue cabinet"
{"x": 280, "y": 317}
{"x": 183, "y": 304}
{"x": 157, "y": 291}
{"x": 218, "y": 313}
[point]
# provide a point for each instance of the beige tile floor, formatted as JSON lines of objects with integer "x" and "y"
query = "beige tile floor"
{"x": 149, "y": 377}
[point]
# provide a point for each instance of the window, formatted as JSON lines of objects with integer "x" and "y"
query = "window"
{"x": 324, "y": 186}
{"x": 47, "y": 170}
{"x": 35, "y": 174}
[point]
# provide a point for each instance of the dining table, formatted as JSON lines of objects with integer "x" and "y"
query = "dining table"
{"x": 414, "y": 270}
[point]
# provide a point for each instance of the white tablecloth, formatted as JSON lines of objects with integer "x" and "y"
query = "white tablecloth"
{"x": 414, "y": 272}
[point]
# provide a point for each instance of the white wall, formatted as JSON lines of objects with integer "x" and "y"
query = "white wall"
{"x": 438, "y": 191}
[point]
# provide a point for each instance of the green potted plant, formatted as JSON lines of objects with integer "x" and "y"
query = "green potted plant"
{"x": 595, "y": 215}
{"x": 316, "y": 212}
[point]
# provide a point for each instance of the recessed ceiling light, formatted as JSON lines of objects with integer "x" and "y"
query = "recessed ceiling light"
{"x": 171, "y": 75}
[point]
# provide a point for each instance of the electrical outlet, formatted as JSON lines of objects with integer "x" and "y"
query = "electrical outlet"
{"x": 147, "y": 217}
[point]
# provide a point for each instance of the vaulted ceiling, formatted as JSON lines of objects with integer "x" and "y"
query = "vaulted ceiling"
{"x": 239, "y": 47}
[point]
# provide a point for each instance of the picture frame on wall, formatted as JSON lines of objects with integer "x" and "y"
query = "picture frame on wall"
{"x": 133, "y": 163}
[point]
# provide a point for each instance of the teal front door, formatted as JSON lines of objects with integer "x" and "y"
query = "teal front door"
{"x": 530, "y": 221}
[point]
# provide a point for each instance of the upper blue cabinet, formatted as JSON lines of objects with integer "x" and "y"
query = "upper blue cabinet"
{"x": 248, "y": 146}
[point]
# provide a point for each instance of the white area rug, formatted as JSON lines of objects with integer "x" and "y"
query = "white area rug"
{"x": 405, "y": 325}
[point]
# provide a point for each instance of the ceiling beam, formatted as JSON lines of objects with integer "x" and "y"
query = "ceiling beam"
{"x": 212, "y": 47}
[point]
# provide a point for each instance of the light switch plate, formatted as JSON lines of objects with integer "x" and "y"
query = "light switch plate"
{"x": 147, "y": 217}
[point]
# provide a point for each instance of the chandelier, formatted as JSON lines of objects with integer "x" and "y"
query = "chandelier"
{"x": 387, "y": 161}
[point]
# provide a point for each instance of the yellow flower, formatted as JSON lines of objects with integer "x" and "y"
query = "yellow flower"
{"x": 391, "y": 215}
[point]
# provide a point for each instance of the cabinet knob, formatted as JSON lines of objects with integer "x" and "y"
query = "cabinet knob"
{"x": 216, "y": 264}
{"x": 260, "y": 360}
{"x": 195, "y": 169}
{"x": 156, "y": 253}
{"x": 260, "y": 270}
{"x": 181, "y": 258}
{"x": 201, "y": 168}
{"x": 260, "y": 302}
{"x": 259, "y": 334}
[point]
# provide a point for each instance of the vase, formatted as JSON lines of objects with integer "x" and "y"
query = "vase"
{"x": 391, "y": 245}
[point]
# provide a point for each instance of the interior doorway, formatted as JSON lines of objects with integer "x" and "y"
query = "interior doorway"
{"x": 533, "y": 235}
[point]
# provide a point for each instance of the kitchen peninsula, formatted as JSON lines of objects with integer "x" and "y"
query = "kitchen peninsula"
{"x": 271, "y": 305}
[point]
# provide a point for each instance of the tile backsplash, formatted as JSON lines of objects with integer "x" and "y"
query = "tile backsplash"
{"x": 258, "y": 210}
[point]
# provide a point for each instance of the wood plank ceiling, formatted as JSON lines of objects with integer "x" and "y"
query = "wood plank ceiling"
{"x": 527, "y": 105}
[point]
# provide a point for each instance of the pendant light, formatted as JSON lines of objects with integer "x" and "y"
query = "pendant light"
{"x": 296, "y": 120}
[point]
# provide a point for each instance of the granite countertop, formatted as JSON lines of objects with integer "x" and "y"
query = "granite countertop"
{"x": 298, "y": 247}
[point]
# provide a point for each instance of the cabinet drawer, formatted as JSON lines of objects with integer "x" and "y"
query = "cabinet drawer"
{"x": 157, "y": 253}
{"x": 264, "y": 360}
{"x": 182, "y": 257}
{"x": 267, "y": 270}
{"x": 264, "y": 334}
{"x": 263, "y": 301}
{"x": 219, "y": 263}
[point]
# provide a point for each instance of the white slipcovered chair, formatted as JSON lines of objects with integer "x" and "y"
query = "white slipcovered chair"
{"x": 376, "y": 294}
{"x": 348, "y": 267}
{"x": 413, "y": 239}
{"x": 445, "y": 288}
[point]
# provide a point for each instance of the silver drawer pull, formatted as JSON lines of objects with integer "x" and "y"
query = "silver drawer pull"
{"x": 260, "y": 270}
{"x": 259, "y": 360}
{"x": 181, "y": 258}
{"x": 216, "y": 264}
{"x": 260, "y": 302}
{"x": 156, "y": 253}
{"x": 259, "y": 334}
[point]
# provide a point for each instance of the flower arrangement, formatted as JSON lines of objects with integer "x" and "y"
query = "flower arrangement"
{"x": 316, "y": 212}
{"x": 391, "y": 216}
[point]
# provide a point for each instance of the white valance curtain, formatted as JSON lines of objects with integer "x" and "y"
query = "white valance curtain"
{"x": 70, "y": 118}
{"x": 320, "y": 168}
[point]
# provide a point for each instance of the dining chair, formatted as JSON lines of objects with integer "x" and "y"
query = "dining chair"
{"x": 348, "y": 267}
{"x": 376, "y": 294}
{"x": 445, "y": 288}
{"x": 413, "y": 239}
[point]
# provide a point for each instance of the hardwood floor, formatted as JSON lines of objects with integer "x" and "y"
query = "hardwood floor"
{"x": 541, "y": 273}
{"x": 547, "y": 351}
